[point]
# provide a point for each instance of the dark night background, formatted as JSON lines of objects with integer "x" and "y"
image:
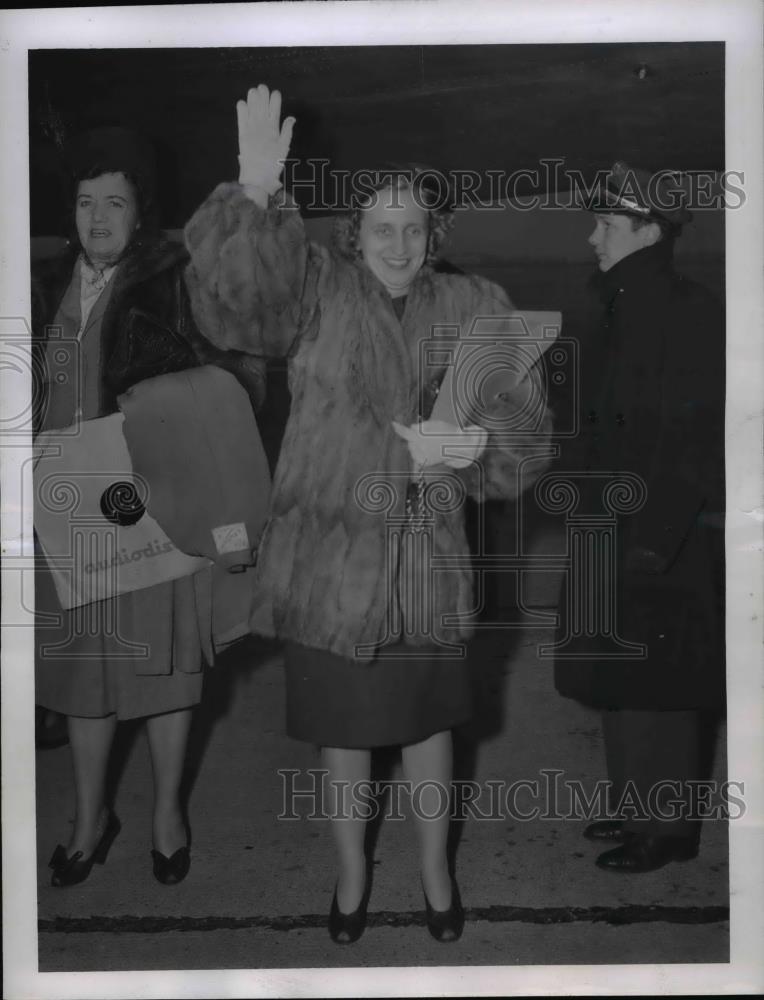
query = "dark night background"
{"x": 479, "y": 107}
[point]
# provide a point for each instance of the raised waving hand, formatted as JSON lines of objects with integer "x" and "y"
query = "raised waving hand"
{"x": 263, "y": 141}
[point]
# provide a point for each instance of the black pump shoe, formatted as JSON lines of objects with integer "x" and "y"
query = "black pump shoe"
{"x": 642, "y": 853}
{"x": 345, "y": 928}
{"x": 607, "y": 829}
{"x": 72, "y": 870}
{"x": 446, "y": 925}
{"x": 170, "y": 871}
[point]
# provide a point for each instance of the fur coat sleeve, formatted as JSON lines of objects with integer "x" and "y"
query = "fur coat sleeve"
{"x": 247, "y": 273}
{"x": 257, "y": 285}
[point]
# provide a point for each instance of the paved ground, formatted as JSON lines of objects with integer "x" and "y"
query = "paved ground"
{"x": 260, "y": 886}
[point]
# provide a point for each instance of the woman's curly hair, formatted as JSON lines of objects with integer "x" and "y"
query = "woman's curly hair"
{"x": 345, "y": 236}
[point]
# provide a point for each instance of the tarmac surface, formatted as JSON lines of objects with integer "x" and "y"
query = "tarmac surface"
{"x": 260, "y": 885}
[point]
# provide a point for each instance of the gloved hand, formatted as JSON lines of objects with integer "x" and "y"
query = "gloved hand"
{"x": 263, "y": 142}
{"x": 434, "y": 442}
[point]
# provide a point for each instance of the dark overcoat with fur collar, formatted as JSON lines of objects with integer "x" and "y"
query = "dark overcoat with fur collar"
{"x": 327, "y": 567}
{"x": 147, "y": 326}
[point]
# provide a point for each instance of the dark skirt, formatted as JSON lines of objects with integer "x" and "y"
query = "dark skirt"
{"x": 86, "y": 663}
{"x": 359, "y": 704}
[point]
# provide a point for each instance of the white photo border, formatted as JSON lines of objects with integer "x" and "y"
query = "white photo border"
{"x": 736, "y": 22}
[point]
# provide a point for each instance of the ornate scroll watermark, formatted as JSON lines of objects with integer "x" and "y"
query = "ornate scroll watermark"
{"x": 591, "y": 562}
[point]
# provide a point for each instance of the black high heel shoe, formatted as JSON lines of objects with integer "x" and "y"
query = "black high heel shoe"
{"x": 72, "y": 870}
{"x": 345, "y": 928}
{"x": 446, "y": 925}
{"x": 170, "y": 871}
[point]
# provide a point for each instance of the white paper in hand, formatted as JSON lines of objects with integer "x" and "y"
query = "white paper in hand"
{"x": 434, "y": 442}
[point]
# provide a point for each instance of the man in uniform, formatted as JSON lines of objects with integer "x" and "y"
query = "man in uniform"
{"x": 657, "y": 414}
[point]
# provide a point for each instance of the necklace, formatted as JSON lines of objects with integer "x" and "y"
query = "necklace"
{"x": 93, "y": 276}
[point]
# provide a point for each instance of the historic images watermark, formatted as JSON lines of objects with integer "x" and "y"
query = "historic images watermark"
{"x": 488, "y": 377}
{"x": 550, "y": 795}
{"x": 497, "y": 376}
{"x": 80, "y": 507}
{"x": 549, "y": 184}
{"x": 36, "y": 365}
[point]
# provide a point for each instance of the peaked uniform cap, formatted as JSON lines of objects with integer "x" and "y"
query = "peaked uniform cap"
{"x": 638, "y": 192}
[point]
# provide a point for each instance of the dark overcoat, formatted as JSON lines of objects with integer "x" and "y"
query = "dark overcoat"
{"x": 653, "y": 405}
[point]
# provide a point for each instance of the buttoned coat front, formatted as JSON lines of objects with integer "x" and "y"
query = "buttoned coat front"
{"x": 653, "y": 407}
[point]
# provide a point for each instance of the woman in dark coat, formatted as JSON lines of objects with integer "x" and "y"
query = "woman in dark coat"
{"x": 118, "y": 294}
{"x": 365, "y": 635}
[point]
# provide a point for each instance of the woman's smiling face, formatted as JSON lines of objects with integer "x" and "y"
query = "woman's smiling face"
{"x": 106, "y": 215}
{"x": 393, "y": 238}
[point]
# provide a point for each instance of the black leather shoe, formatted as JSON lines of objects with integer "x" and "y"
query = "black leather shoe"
{"x": 345, "y": 928}
{"x": 446, "y": 925}
{"x": 645, "y": 854}
{"x": 170, "y": 871}
{"x": 72, "y": 870}
{"x": 606, "y": 829}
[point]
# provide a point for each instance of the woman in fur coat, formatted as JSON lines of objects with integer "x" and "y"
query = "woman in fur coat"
{"x": 367, "y": 499}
